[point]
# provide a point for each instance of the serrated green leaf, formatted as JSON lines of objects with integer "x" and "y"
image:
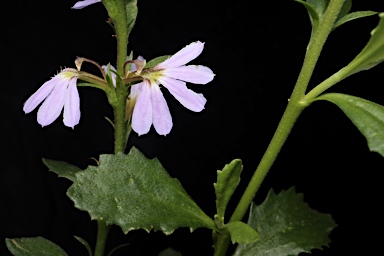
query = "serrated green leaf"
{"x": 367, "y": 116}
{"x": 287, "y": 226}
{"x": 136, "y": 193}
{"x": 85, "y": 243}
{"x": 131, "y": 12}
{"x": 227, "y": 181}
{"x": 352, "y": 16}
{"x": 33, "y": 246}
{"x": 241, "y": 233}
{"x": 156, "y": 61}
{"x": 62, "y": 169}
{"x": 371, "y": 55}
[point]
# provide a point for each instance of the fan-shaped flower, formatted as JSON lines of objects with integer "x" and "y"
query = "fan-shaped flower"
{"x": 58, "y": 93}
{"x": 151, "y": 107}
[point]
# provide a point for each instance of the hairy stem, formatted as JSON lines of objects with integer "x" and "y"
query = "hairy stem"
{"x": 116, "y": 11}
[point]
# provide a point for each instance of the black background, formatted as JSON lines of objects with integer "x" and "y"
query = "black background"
{"x": 256, "y": 50}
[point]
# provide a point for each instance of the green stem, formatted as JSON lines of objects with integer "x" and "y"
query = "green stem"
{"x": 329, "y": 82}
{"x": 120, "y": 123}
{"x": 222, "y": 243}
{"x": 120, "y": 24}
{"x": 116, "y": 10}
{"x": 292, "y": 112}
{"x": 102, "y": 233}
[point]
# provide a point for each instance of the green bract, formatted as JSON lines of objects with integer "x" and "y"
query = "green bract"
{"x": 241, "y": 233}
{"x": 62, "y": 169}
{"x": 156, "y": 61}
{"x": 227, "y": 181}
{"x": 131, "y": 12}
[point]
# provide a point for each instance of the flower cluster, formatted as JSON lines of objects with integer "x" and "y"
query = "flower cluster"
{"x": 150, "y": 108}
{"x": 146, "y": 99}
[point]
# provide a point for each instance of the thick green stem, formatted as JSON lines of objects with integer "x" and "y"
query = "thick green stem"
{"x": 102, "y": 233}
{"x": 116, "y": 10}
{"x": 288, "y": 119}
{"x": 120, "y": 124}
{"x": 120, "y": 24}
{"x": 222, "y": 244}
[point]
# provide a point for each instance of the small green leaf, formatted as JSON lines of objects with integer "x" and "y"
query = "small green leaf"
{"x": 156, "y": 61}
{"x": 131, "y": 12}
{"x": 319, "y": 5}
{"x": 227, "y": 181}
{"x": 287, "y": 226}
{"x": 371, "y": 55}
{"x": 85, "y": 243}
{"x": 352, "y": 16}
{"x": 314, "y": 16}
{"x": 136, "y": 193}
{"x": 241, "y": 233}
{"x": 62, "y": 169}
{"x": 345, "y": 9}
{"x": 33, "y": 246}
{"x": 367, "y": 116}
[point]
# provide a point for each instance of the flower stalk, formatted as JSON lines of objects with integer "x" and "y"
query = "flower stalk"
{"x": 294, "y": 108}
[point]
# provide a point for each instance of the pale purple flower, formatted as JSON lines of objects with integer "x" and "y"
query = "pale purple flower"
{"x": 151, "y": 107}
{"x": 85, "y": 3}
{"x": 58, "y": 93}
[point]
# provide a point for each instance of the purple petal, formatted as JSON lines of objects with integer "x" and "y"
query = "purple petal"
{"x": 188, "y": 98}
{"x": 40, "y": 94}
{"x": 162, "y": 119}
{"x": 53, "y": 104}
{"x": 135, "y": 90}
{"x": 183, "y": 56}
{"x": 142, "y": 113}
{"x": 193, "y": 74}
{"x": 72, "y": 105}
{"x": 85, "y": 3}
